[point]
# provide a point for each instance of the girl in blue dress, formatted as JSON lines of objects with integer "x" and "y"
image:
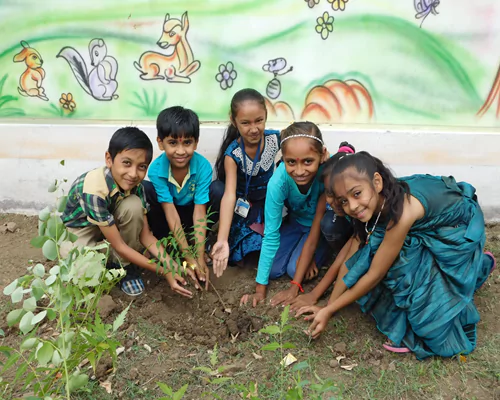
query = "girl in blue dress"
{"x": 245, "y": 164}
{"x": 415, "y": 259}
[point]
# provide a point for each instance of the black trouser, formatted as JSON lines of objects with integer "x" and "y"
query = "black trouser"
{"x": 336, "y": 230}
{"x": 156, "y": 216}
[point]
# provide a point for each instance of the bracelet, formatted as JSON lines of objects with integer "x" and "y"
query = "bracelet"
{"x": 299, "y": 285}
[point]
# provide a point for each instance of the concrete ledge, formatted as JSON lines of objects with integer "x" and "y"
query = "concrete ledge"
{"x": 30, "y": 155}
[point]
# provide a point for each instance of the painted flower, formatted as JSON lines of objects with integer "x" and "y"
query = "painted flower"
{"x": 324, "y": 25}
{"x": 338, "y": 4}
{"x": 311, "y": 3}
{"x": 67, "y": 102}
{"x": 226, "y": 75}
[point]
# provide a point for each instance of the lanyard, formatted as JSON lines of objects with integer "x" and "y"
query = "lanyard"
{"x": 255, "y": 160}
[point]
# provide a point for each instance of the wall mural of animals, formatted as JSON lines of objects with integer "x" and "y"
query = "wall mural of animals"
{"x": 277, "y": 68}
{"x": 31, "y": 80}
{"x": 493, "y": 99}
{"x": 179, "y": 64}
{"x": 100, "y": 82}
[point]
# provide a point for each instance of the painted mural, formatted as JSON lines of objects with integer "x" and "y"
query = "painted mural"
{"x": 375, "y": 62}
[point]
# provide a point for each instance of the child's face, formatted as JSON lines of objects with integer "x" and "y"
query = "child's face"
{"x": 128, "y": 168}
{"x": 301, "y": 160}
{"x": 250, "y": 121}
{"x": 179, "y": 151}
{"x": 357, "y": 195}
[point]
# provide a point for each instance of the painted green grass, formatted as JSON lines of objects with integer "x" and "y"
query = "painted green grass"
{"x": 414, "y": 77}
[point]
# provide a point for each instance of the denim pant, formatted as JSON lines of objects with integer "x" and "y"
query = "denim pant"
{"x": 335, "y": 233}
{"x": 156, "y": 217}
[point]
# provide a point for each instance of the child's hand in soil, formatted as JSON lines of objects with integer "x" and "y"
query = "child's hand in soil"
{"x": 285, "y": 297}
{"x": 174, "y": 285}
{"x": 303, "y": 300}
{"x": 220, "y": 256}
{"x": 256, "y": 299}
{"x": 320, "y": 321}
{"x": 202, "y": 272}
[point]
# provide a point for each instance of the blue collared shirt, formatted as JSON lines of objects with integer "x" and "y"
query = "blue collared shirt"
{"x": 194, "y": 188}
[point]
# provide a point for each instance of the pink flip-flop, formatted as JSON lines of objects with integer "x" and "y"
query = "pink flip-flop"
{"x": 489, "y": 253}
{"x": 395, "y": 348}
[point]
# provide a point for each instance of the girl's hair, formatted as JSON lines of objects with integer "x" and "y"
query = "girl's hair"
{"x": 330, "y": 163}
{"x": 231, "y": 131}
{"x": 394, "y": 191}
{"x": 301, "y": 129}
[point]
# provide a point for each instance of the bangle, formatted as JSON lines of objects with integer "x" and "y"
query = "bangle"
{"x": 299, "y": 285}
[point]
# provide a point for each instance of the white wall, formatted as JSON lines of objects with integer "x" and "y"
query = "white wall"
{"x": 30, "y": 155}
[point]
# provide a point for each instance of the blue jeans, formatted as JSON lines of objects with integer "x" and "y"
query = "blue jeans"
{"x": 292, "y": 238}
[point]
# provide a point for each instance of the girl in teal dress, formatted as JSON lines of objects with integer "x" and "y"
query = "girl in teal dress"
{"x": 415, "y": 260}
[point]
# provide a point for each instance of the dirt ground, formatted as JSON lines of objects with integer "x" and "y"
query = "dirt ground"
{"x": 181, "y": 334}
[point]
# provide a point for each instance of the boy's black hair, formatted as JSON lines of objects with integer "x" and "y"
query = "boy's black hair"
{"x": 130, "y": 138}
{"x": 178, "y": 122}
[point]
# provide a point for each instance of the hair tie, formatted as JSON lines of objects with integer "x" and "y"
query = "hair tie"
{"x": 345, "y": 149}
{"x": 302, "y": 135}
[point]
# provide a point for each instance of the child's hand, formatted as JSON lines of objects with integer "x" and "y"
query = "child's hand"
{"x": 303, "y": 300}
{"x": 313, "y": 310}
{"x": 174, "y": 285}
{"x": 220, "y": 255}
{"x": 256, "y": 299}
{"x": 190, "y": 272}
{"x": 285, "y": 297}
{"x": 319, "y": 323}
{"x": 202, "y": 272}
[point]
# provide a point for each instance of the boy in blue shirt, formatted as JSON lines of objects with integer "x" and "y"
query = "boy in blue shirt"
{"x": 181, "y": 186}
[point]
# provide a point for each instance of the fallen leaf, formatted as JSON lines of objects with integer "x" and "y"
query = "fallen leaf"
{"x": 191, "y": 355}
{"x": 120, "y": 350}
{"x": 463, "y": 358}
{"x": 177, "y": 337}
{"x": 234, "y": 337}
{"x": 148, "y": 348}
{"x": 256, "y": 356}
{"x": 227, "y": 310}
{"x": 106, "y": 385}
{"x": 349, "y": 367}
{"x": 339, "y": 358}
{"x": 288, "y": 360}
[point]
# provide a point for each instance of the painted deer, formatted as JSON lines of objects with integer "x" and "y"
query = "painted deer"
{"x": 180, "y": 64}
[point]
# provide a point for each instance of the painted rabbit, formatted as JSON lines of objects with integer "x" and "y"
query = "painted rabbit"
{"x": 30, "y": 82}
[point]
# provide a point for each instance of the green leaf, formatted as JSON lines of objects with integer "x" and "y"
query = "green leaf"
{"x": 44, "y": 215}
{"x": 55, "y": 226}
{"x": 55, "y": 270}
{"x": 271, "y": 329}
{"x": 15, "y": 316}
{"x": 11, "y": 361}
{"x": 39, "y": 317}
{"x": 30, "y": 304}
{"x": 49, "y": 250}
{"x": 17, "y": 295}
{"x": 20, "y": 371}
{"x": 61, "y": 203}
{"x": 44, "y": 354}
{"x": 39, "y": 270}
{"x": 77, "y": 382}
{"x": 2, "y": 334}
{"x": 28, "y": 343}
{"x": 120, "y": 319}
{"x": 62, "y": 162}
{"x": 50, "y": 280}
{"x": 9, "y": 289}
{"x": 39, "y": 241}
{"x": 37, "y": 289}
{"x": 180, "y": 393}
{"x": 42, "y": 226}
{"x": 165, "y": 388}
{"x": 56, "y": 358}
{"x": 51, "y": 314}
{"x": 26, "y": 325}
{"x": 289, "y": 346}
{"x": 72, "y": 237}
{"x": 52, "y": 187}
{"x": 271, "y": 346}
{"x": 300, "y": 366}
{"x": 284, "y": 315}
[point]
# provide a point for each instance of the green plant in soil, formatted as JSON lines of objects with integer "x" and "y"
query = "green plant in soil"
{"x": 64, "y": 298}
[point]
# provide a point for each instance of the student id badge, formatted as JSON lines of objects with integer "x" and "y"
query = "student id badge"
{"x": 242, "y": 207}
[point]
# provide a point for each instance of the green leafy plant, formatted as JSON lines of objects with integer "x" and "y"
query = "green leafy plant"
{"x": 171, "y": 395}
{"x": 65, "y": 298}
{"x": 5, "y": 99}
{"x": 150, "y": 106}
